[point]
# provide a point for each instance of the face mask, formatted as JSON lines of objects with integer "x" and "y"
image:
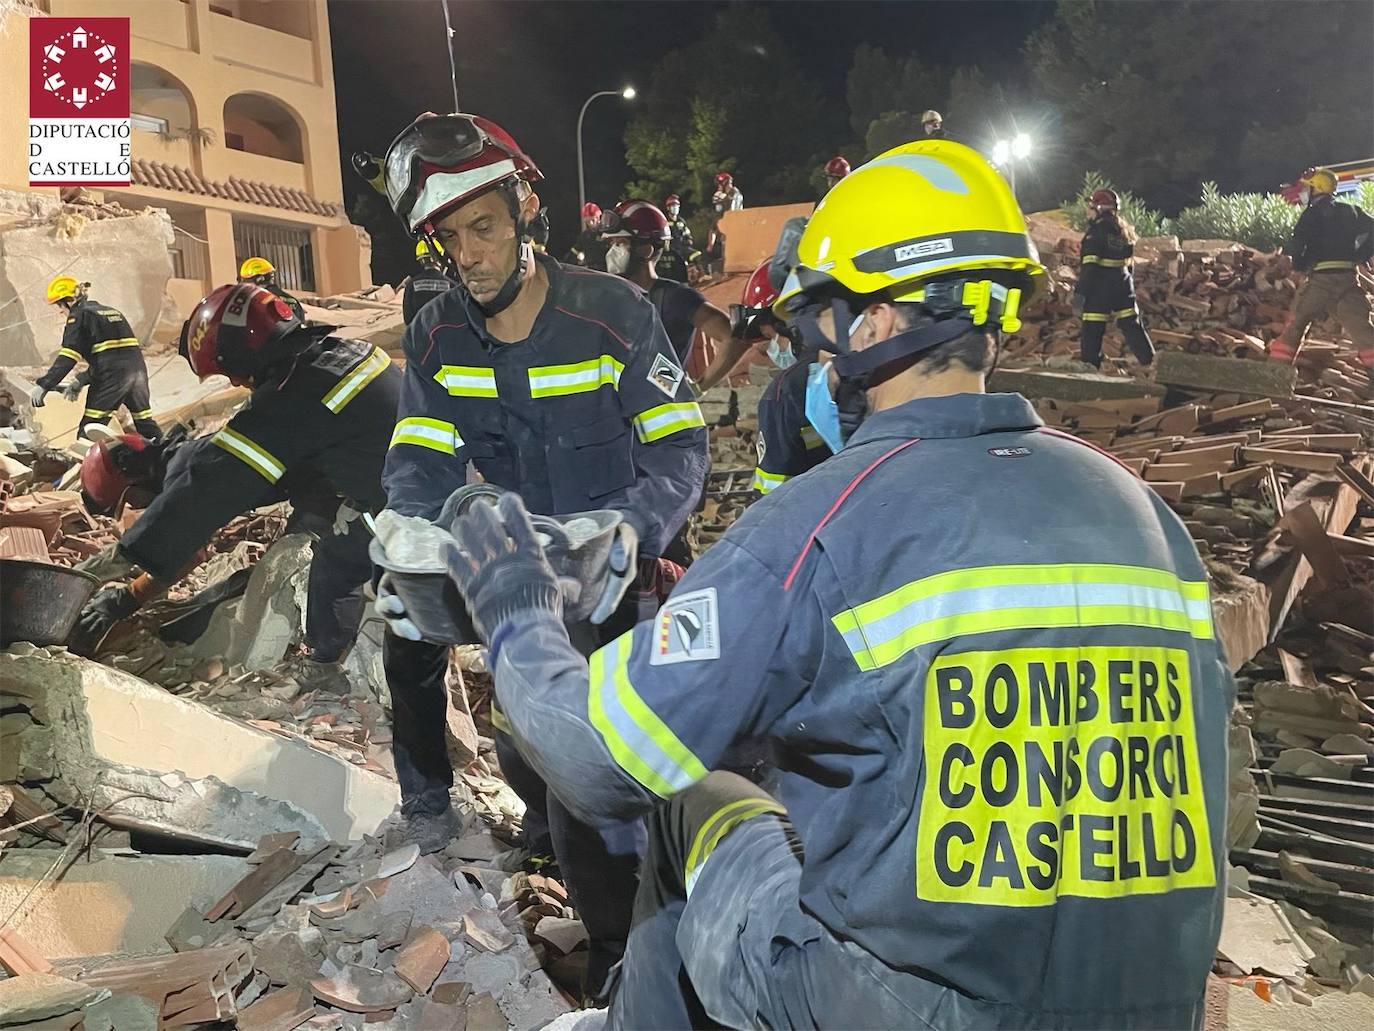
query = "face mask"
{"x": 821, "y": 411}
{"x": 780, "y": 354}
{"x": 672, "y": 210}
{"x": 618, "y": 259}
{"x": 1306, "y": 195}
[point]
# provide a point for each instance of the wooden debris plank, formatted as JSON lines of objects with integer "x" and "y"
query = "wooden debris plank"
{"x": 1357, "y": 481}
{"x": 1168, "y": 491}
{"x": 1312, "y": 461}
{"x": 1243, "y": 477}
{"x": 1302, "y": 522}
{"x": 1207, "y": 483}
{"x": 1248, "y": 410}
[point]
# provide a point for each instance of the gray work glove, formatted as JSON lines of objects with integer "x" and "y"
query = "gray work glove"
{"x": 390, "y": 607}
{"x": 499, "y": 565}
{"x": 36, "y": 398}
{"x": 72, "y": 390}
{"x": 623, "y": 565}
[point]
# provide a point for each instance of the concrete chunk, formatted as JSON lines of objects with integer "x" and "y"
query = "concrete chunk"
{"x": 117, "y": 735}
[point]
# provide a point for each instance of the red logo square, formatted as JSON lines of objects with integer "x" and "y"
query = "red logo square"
{"x": 78, "y": 67}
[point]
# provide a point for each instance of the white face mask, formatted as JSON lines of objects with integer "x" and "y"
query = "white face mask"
{"x": 672, "y": 210}
{"x": 618, "y": 259}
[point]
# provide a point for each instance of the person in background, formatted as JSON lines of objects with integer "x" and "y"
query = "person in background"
{"x": 115, "y": 370}
{"x": 1330, "y": 241}
{"x": 681, "y": 251}
{"x": 590, "y": 249}
{"x": 933, "y": 126}
{"x": 263, "y": 273}
{"x": 1106, "y": 288}
{"x": 637, "y": 234}
{"x": 432, "y": 280}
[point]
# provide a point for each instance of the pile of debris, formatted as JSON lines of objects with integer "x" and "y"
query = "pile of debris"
{"x": 1210, "y": 297}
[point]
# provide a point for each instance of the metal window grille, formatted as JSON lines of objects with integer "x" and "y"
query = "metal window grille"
{"x": 289, "y": 250}
{"x": 189, "y": 256}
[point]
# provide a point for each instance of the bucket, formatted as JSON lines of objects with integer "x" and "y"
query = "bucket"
{"x": 39, "y": 602}
{"x": 431, "y": 599}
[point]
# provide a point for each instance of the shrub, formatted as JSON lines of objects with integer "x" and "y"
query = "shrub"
{"x": 1263, "y": 221}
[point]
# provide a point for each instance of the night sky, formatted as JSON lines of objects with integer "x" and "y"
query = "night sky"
{"x": 530, "y": 65}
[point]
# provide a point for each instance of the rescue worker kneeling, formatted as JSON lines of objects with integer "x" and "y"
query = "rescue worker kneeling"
{"x": 315, "y": 429}
{"x": 984, "y": 650}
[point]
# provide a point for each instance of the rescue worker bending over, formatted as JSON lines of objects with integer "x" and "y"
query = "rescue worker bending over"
{"x": 1106, "y": 289}
{"x": 984, "y": 650}
{"x": 263, "y": 273}
{"x": 101, "y": 337}
{"x": 636, "y": 233}
{"x": 432, "y": 281}
{"x": 315, "y": 426}
{"x": 554, "y": 382}
{"x": 1332, "y": 238}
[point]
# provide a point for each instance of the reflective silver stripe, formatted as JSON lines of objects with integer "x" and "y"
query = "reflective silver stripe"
{"x": 257, "y": 457}
{"x": 351, "y": 385}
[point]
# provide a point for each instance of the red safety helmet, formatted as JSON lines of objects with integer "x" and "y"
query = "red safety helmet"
{"x": 755, "y": 309}
{"x": 236, "y": 331}
{"x": 109, "y": 469}
{"x": 637, "y": 220}
{"x": 1104, "y": 199}
{"x": 672, "y": 198}
{"x": 724, "y": 179}
{"x": 758, "y": 291}
{"x": 590, "y": 210}
{"x": 439, "y": 161}
{"x": 837, "y": 167}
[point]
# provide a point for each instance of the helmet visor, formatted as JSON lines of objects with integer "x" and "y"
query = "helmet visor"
{"x": 444, "y": 140}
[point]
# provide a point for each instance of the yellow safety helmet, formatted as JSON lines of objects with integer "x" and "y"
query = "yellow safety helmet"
{"x": 255, "y": 267}
{"x": 1322, "y": 180}
{"x": 61, "y": 287}
{"x": 428, "y": 248}
{"x": 925, "y": 210}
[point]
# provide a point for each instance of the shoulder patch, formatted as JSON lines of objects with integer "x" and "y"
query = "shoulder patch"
{"x": 665, "y": 374}
{"x": 687, "y": 629}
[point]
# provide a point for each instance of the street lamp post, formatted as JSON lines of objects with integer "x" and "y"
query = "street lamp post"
{"x": 627, "y": 93}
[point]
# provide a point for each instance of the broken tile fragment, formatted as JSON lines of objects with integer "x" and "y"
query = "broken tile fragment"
{"x": 421, "y": 958}
{"x": 360, "y": 990}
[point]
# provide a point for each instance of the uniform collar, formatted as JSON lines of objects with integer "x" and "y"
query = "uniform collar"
{"x": 954, "y": 415}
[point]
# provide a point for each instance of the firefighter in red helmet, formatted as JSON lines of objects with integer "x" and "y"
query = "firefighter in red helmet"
{"x": 560, "y": 385}
{"x": 314, "y": 431}
{"x": 1106, "y": 288}
{"x": 681, "y": 250}
{"x": 590, "y": 250}
{"x": 835, "y": 170}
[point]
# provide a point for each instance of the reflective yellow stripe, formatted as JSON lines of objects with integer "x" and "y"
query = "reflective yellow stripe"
{"x": 97, "y": 413}
{"x": 67, "y": 352}
{"x": 1093, "y": 259}
{"x": 145, "y": 414}
{"x": 351, "y": 385}
{"x": 811, "y": 439}
{"x": 659, "y": 422}
{"x": 1323, "y": 266}
{"x": 763, "y": 482}
{"x": 641, "y": 743}
{"x": 108, "y": 345}
{"x": 434, "y": 434}
{"x": 1095, "y": 316}
{"x": 245, "y": 450}
{"x": 995, "y": 598}
{"x": 467, "y": 380}
{"x": 1125, "y": 313}
{"x": 576, "y": 378}
{"x": 720, "y": 823}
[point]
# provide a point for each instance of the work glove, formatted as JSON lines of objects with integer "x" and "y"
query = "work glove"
{"x": 499, "y": 565}
{"x": 36, "y": 398}
{"x": 72, "y": 390}
{"x": 623, "y": 564}
{"x": 108, "y": 607}
{"x": 390, "y": 607}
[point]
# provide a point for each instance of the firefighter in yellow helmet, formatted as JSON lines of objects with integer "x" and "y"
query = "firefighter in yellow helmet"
{"x": 264, "y": 274}
{"x": 1331, "y": 240}
{"x": 115, "y": 370}
{"x": 430, "y": 282}
{"x": 984, "y": 651}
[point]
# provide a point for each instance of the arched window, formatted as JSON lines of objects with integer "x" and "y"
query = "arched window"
{"x": 261, "y": 125}
{"x": 159, "y": 103}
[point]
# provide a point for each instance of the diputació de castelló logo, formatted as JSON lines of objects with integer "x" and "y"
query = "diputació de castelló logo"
{"x": 79, "y": 102}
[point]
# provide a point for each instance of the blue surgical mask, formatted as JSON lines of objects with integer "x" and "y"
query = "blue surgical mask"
{"x": 781, "y": 355}
{"x": 821, "y": 411}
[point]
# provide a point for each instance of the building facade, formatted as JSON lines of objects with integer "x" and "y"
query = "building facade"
{"x": 234, "y": 135}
